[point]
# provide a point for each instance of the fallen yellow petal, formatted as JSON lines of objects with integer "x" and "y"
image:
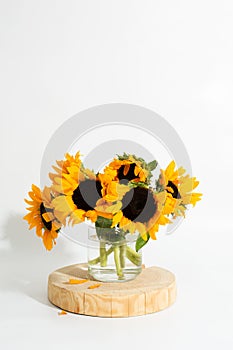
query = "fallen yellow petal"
{"x": 75, "y": 281}
{"x": 94, "y": 286}
{"x": 62, "y": 312}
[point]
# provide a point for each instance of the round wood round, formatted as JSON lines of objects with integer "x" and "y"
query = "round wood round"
{"x": 151, "y": 291}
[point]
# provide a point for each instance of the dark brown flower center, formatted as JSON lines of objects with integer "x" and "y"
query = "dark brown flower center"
{"x": 87, "y": 194}
{"x": 43, "y": 210}
{"x": 129, "y": 176}
{"x": 139, "y": 205}
{"x": 175, "y": 193}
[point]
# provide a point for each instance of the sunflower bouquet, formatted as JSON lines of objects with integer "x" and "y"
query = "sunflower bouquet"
{"x": 119, "y": 202}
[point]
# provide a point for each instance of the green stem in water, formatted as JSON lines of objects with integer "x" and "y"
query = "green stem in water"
{"x": 97, "y": 260}
{"x": 133, "y": 256}
{"x": 122, "y": 255}
{"x": 103, "y": 255}
{"x": 116, "y": 250}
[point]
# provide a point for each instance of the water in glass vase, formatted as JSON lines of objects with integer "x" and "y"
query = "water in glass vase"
{"x": 112, "y": 256}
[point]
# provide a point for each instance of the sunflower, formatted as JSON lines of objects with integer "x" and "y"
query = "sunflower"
{"x": 81, "y": 198}
{"x": 179, "y": 187}
{"x": 143, "y": 211}
{"x": 42, "y": 216}
{"x": 127, "y": 168}
{"x": 123, "y": 171}
{"x": 68, "y": 168}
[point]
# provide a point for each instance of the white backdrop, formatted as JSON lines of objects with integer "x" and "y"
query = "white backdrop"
{"x": 174, "y": 57}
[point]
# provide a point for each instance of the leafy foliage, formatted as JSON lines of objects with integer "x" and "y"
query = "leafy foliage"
{"x": 141, "y": 242}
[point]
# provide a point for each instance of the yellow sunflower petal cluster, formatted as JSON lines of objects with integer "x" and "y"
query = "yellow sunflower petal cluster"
{"x": 120, "y": 168}
{"x": 67, "y": 173}
{"x": 179, "y": 186}
{"x": 41, "y": 216}
{"x": 71, "y": 182}
{"x": 80, "y": 198}
{"x": 124, "y": 169}
{"x": 122, "y": 193}
{"x": 156, "y": 208}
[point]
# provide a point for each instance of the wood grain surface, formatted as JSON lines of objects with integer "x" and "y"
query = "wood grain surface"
{"x": 151, "y": 291}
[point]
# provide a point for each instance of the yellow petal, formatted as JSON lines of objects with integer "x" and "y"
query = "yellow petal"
{"x": 126, "y": 169}
{"x": 47, "y": 240}
{"x": 181, "y": 171}
{"x": 61, "y": 216}
{"x": 92, "y": 215}
{"x": 48, "y": 216}
{"x": 144, "y": 236}
{"x": 153, "y": 231}
{"x": 62, "y": 312}
{"x": 36, "y": 190}
{"x": 117, "y": 218}
{"x": 64, "y": 204}
{"x": 170, "y": 169}
{"x": 163, "y": 220}
{"x": 76, "y": 281}
{"x": 142, "y": 176}
{"x": 114, "y": 208}
{"x": 39, "y": 231}
{"x": 141, "y": 228}
{"x": 137, "y": 170}
{"x": 93, "y": 286}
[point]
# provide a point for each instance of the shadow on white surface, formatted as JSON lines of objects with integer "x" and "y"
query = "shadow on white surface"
{"x": 25, "y": 264}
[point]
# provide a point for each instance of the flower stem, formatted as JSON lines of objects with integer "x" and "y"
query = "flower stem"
{"x": 103, "y": 255}
{"x": 116, "y": 250}
{"x": 133, "y": 256}
{"x": 122, "y": 255}
{"x": 97, "y": 260}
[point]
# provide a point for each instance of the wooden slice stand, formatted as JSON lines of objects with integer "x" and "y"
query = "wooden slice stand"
{"x": 153, "y": 290}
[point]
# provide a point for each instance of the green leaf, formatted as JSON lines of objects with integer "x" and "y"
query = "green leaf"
{"x": 101, "y": 225}
{"x": 152, "y": 165}
{"x": 133, "y": 184}
{"x": 103, "y": 222}
{"x": 104, "y": 230}
{"x": 123, "y": 157}
{"x": 140, "y": 242}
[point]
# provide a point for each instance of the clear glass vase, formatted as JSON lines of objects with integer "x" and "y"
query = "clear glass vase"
{"x": 112, "y": 256}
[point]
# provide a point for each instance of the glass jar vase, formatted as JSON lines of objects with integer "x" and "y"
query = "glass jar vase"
{"x": 112, "y": 256}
